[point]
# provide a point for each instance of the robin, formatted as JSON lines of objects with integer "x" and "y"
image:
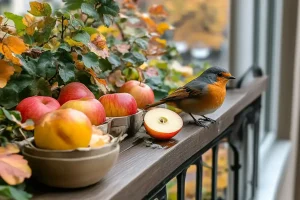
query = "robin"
{"x": 201, "y": 96}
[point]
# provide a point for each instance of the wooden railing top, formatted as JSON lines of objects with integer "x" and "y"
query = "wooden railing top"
{"x": 139, "y": 168}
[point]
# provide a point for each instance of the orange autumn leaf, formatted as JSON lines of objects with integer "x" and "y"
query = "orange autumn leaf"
{"x": 5, "y": 72}
{"x": 13, "y": 168}
{"x": 129, "y": 4}
{"x": 151, "y": 25}
{"x": 99, "y": 40}
{"x": 158, "y": 10}
{"x": 12, "y": 45}
{"x": 101, "y": 83}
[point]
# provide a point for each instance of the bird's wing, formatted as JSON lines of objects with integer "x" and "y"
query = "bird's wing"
{"x": 184, "y": 92}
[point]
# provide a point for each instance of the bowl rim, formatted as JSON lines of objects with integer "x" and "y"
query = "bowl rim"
{"x": 31, "y": 139}
{"x": 116, "y": 148}
{"x": 127, "y": 116}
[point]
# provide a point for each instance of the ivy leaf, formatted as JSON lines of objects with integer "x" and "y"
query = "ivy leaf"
{"x": 14, "y": 193}
{"x": 13, "y": 168}
{"x": 83, "y": 37}
{"x": 89, "y": 10}
{"x": 5, "y": 72}
{"x": 90, "y": 60}
{"x": 45, "y": 66}
{"x": 17, "y": 20}
{"x": 141, "y": 43}
{"x": 114, "y": 60}
{"x": 134, "y": 58}
{"x": 40, "y": 9}
{"x": 66, "y": 72}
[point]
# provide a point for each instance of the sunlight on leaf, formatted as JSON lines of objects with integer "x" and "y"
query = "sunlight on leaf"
{"x": 40, "y": 9}
{"x": 29, "y": 21}
{"x": 5, "y": 72}
{"x": 13, "y": 168}
{"x": 72, "y": 42}
{"x": 163, "y": 27}
{"x": 17, "y": 21}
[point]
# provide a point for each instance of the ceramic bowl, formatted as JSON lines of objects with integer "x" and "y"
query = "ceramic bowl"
{"x": 127, "y": 124}
{"x": 71, "y": 168}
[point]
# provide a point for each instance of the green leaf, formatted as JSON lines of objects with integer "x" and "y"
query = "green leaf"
{"x": 105, "y": 65}
{"x": 73, "y": 5}
{"x": 76, "y": 23}
{"x": 89, "y": 10}
{"x": 28, "y": 39}
{"x": 9, "y": 97}
{"x": 90, "y": 60}
{"x": 134, "y": 58}
{"x": 107, "y": 20}
{"x": 17, "y": 20}
{"x": 109, "y": 7}
{"x": 90, "y": 30}
{"x": 114, "y": 60}
{"x": 45, "y": 65}
{"x": 42, "y": 88}
{"x": 44, "y": 34}
{"x": 28, "y": 66}
{"x": 67, "y": 73}
{"x": 65, "y": 46}
{"x": 83, "y": 37}
{"x": 21, "y": 81}
{"x": 40, "y": 9}
{"x": 11, "y": 192}
{"x": 141, "y": 43}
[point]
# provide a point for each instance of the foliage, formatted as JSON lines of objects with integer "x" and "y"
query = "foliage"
{"x": 13, "y": 170}
{"x": 99, "y": 43}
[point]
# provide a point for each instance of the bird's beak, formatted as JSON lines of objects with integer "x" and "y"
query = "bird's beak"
{"x": 231, "y": 77}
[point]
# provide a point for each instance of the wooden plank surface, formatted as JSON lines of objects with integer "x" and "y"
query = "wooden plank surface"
{"x": 140, "y": 168}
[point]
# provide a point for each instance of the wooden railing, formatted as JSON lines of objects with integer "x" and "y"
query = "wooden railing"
{"x": 142, "y": 172}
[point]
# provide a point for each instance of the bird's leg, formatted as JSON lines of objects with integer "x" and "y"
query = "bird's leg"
{"x": 199, "y": 123}
{"x": 207, "y": 119}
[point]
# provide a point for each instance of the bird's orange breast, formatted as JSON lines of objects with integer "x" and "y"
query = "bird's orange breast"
{"x": 206, "y": 103}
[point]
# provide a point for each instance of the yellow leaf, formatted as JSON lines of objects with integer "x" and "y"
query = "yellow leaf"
{"x": 162, "y": 42}
{"x": 108, "y": 30}
{"x": 163, "y": 27}
{"x": 5, "y": 72}
{"x": 54, "y": 86}
{"x": 13, "y": 168}
{"x": 72, "y": 42}
{"x": 40, "y": 9}
{"x": 29, "y": 21}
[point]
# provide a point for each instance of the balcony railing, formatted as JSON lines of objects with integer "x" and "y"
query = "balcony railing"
{"x": 142, "y": 172}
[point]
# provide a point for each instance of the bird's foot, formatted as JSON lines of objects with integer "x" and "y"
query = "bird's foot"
{"x": 197, "y": 122}
{"x": 200, "y": 123}
{"x": 206, "y": 119}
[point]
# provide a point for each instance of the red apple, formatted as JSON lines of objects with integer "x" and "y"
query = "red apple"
{"x": 162, "y": 123}
{"x": 118, "y": 104}
{"x": 141, "y": 92}
{"x": 36, "y": 107}
{"x": 74, "y": 91}
{"x": 92, "y": 108}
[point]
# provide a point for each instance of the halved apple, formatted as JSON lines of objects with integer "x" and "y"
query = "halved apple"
{"x": 162, "y": 123}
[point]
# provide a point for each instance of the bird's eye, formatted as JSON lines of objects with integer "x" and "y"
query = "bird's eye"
{"x": 220, "y": 74}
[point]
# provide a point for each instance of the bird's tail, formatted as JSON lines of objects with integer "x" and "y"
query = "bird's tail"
{"x": 154, "y": 104}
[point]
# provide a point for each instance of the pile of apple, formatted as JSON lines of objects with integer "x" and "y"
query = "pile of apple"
{"x": 69, "y": 122}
